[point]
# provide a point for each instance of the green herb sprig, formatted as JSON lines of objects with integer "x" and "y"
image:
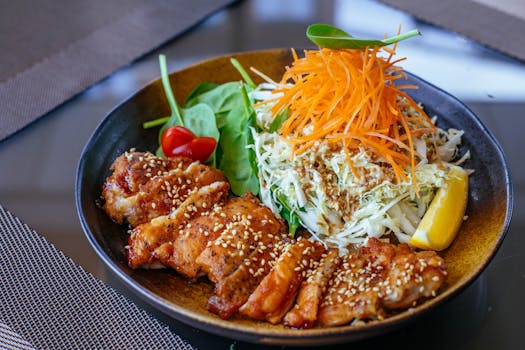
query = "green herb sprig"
{"x": 327, "y": 36}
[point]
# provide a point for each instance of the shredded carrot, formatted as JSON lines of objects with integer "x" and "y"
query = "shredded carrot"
{"x": 349, "y": 96}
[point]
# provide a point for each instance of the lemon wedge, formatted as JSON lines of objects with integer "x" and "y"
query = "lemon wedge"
{"x": 441, "y": 222}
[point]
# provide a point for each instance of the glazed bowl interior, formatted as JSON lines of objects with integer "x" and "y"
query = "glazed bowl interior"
{"x": 489, "y": 208}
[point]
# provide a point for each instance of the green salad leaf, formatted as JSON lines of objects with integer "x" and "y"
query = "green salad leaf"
{"x": 221, "y": 111}
{"x": 286, "y": 212}
{"x": 222, "y": 99}
{"x": 278, "y": 121}
{"x": 201, "y": 120}
{"x": 199, "y": 90}
{"x": 237, "y": 161}
{"x": 325, "y": 35}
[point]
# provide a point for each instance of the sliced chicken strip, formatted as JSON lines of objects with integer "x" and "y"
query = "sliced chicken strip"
{"x": 276, "y": 293}
{"x": 380, "y": 277}
{"x": 133, "y": 169}
{"x": 236, "y": 216}
{"x": 413, "y": 276}
{"x": 233, "y": 291}
{"x": 305, "y": 311}
{"x": 353, "y": 292}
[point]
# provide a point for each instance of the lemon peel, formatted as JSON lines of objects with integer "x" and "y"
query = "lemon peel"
{"x": 444, "y": 216}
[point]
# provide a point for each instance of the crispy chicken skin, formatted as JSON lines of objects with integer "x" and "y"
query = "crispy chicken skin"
{"x": 353, "y": 289}
{"x": 275, "y": 295}
{"x": 147, "y": 242}
{"x": 130, "y": 171}
{"x": 245, "y": 225}
{"x": 380, "y": 277}
{"x": 241, "y": 216}
{"x": 304, "y": 313}
{"x": 133, "y": 169}
{"x": 413, "y": 276}
{"x": 143, "y": 186}
{"x": 180, "y": 254}
{"x": 233, "y": 291}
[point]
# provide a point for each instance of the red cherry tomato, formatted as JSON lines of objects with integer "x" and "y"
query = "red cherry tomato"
{"x": 175, "y": 136}
{"x": 199, "y": 149}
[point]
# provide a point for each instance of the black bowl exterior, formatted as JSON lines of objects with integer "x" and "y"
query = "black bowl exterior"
{"x": 121, "y": 130}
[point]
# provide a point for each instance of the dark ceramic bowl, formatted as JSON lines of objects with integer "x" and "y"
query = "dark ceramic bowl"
{"x": 489, "y": 208}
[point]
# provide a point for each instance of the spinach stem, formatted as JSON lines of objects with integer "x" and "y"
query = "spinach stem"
{"x": 154, "y": 123}
{"x": 243, "y": 73}
{"x": 246, "y": 100}
{"x": 175, "y": 111}
{"x": 403, "y": 36}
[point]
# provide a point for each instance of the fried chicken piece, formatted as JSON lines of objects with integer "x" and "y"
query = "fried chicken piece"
{"x": 166, "y": 192}
{"x": 275, "y": 295}
{"x": 380, "y": 277}
{"x": 353, "y": 292}
{"x": 180, "y": 254}
{"x": 145, "y": 239}
{"x": 133, "y": 169}
{"x": 412, "y": 276}
{"x": 305, "y": 311}
{"x": 144, "y": 186}
{"x": 238, "y": 216}
{"x": 245, "y": 222}
{"x": 130, "y": 171}
{"x": 156, "y": 198}
{"x": 233, "y": 291}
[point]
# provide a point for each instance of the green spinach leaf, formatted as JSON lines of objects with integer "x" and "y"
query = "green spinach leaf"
{"x": 221, "y": 99}
{"x": 201, "y": 120}
{"x": 325, "y": 35}
{"x": 237, "y": 161}
{"x": 199, "y": 90}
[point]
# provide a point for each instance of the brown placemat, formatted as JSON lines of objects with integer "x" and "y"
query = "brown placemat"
{"x": 53, "y": 50}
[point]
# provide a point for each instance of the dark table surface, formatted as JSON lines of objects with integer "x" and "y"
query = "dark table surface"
{"x": 38, "y": 164}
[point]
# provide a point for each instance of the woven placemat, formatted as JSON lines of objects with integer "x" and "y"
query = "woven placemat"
{"x": 12, "y": 340}
{"x": 49, "y": 302}
{"x": 53, "y": 50}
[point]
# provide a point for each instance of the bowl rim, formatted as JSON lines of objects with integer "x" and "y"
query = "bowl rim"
{"x": 314, "y": 336}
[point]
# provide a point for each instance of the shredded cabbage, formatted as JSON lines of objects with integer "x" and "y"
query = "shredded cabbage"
{"x": 334, "y": 204}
